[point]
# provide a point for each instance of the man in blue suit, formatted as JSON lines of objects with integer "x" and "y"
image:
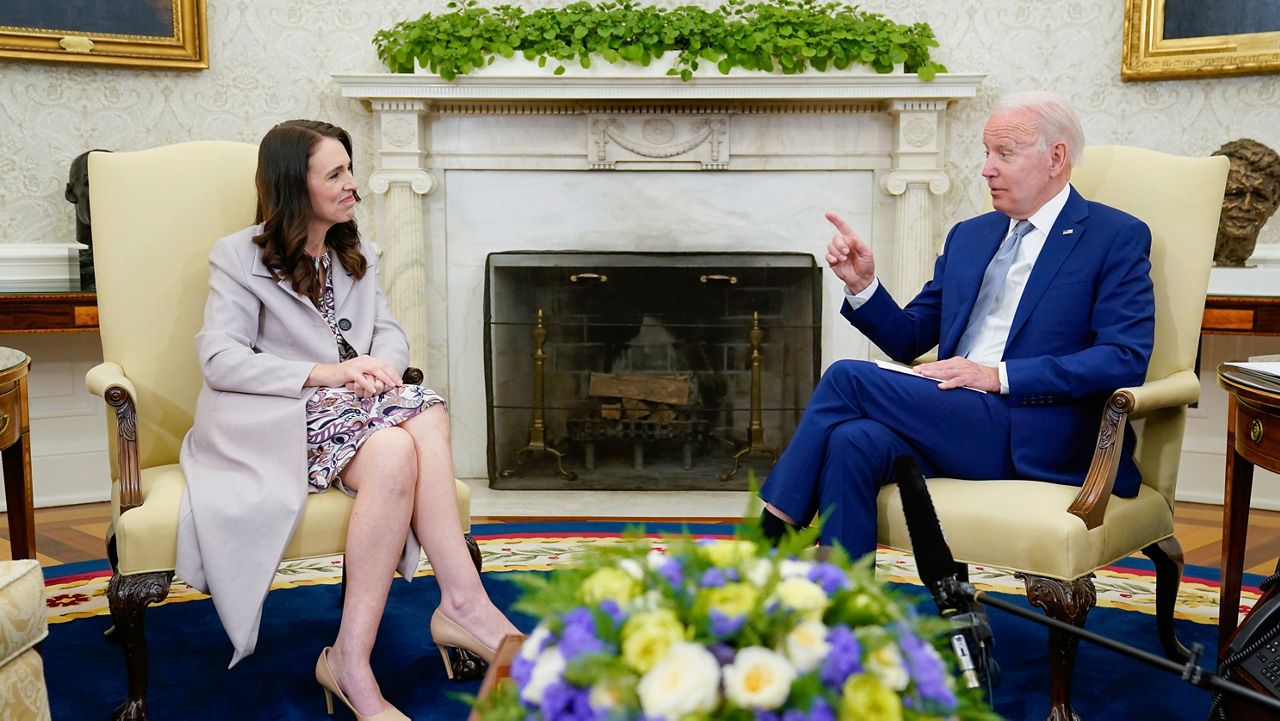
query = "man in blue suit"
{"x": 1044, "y": 305}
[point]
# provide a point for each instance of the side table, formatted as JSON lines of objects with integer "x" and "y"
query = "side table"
{"x": 1253, "y": 438}
{"x": 15, "y": 452}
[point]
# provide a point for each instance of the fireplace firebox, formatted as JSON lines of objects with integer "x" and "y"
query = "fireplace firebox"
{"x": 646, "y": 371}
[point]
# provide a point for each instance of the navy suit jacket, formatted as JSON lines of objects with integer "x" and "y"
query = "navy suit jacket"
{"x": 1083, "y": 328}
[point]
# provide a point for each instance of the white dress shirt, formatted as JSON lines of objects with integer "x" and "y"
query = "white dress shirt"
{"x": 988, "y": 348}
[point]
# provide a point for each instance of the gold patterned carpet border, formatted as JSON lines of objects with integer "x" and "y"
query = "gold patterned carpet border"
{"x": 84, "y": 595}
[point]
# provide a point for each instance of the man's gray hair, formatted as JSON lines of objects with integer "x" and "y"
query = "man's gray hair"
{"x": 1058, "y": 121}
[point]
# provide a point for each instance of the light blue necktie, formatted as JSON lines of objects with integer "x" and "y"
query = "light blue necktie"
{"x": 992, "y": 283}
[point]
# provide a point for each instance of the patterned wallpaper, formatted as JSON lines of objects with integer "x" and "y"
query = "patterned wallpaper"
{"x": 272, "y": 59}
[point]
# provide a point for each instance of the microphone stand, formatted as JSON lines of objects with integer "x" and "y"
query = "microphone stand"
{"x": 1189, "y": 672}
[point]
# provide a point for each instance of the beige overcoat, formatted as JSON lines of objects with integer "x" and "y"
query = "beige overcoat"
{"x": 245, "y": 457}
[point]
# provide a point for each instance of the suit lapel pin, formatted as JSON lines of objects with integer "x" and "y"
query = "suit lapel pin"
{"x": 1068, "y": 231}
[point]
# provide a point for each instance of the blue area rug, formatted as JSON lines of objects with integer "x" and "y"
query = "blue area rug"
{"x": 189, "y": 653}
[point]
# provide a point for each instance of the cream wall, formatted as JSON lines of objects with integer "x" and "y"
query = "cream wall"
{"x": 272, "y": 59}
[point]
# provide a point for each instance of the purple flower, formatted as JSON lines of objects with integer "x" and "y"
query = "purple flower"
{"x": 671, "y": 571}
{"x": 522, "y": 669}
{"x": 563, "y": 702}
{"x": 926, "y": 669}
{"x": 615, "y": 611}
{"x": 843, "y": 660}
{"x": 713, "y": 578}
{"x": 819, "y": 711}
{"x": 579, "y": 635}
{"x": 723, "y": 652}
{"x": 722, "y": 625}
{"x": 829, "y": 577}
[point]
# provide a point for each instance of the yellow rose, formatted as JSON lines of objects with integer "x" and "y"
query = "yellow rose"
{"x": 726, "y": 553}
{"x": 609, "y": 583}
{"x": 801, "y": 594}
{"x": 868, "y": 609}
{"x": 732, "y": 599}
{"x": 864, "y": 697}
{"x": 647, "y": 636}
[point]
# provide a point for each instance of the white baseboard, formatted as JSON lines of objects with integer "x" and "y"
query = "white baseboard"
{"x": 68, "y": 478}
{"x": 1201, "y": 480}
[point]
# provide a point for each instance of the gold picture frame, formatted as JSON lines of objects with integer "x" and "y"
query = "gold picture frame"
{"x": 142, "y": 33}
{"x": 1148, "y": 55}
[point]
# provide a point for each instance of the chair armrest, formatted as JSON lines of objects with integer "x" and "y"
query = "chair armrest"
{"x": 103, "y": 376}
{"x": 412, "y": 375}
{"x": 108, "y": 381}
{"x": 1181, "y": 388}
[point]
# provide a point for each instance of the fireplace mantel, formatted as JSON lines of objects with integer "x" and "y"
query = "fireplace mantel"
{"x": 661, "y": 88}
{"x": 871, "y": 144}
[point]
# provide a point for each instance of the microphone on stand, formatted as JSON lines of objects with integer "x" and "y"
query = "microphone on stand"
{"x": 971, "y": 639}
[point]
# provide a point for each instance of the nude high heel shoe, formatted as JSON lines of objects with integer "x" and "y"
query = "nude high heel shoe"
{"x": 325, "y": 678}
{"x": 465, "y": 656}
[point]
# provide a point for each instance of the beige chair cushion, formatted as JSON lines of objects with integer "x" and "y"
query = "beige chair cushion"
{"x": 1034, "y": 533}
{"x": 23, "y": 619}
{"x": 147, "y": 536}
{"x": 23, "y": 624}
{"x": 23, "y": 696}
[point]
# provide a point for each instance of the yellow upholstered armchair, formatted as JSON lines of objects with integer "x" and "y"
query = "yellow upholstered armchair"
{"x": 1056, "y": 536}
{"x": 156, "y": 213}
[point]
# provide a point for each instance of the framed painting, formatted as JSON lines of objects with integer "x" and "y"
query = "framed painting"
{"x": 1194, "y": 39}
{"x": 144, "y": 33}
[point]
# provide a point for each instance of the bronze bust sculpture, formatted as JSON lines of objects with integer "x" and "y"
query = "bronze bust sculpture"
{"x": 77, "y": 192}
{"x": 1253, "y": 194}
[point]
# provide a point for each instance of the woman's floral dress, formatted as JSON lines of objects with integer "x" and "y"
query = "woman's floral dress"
{"x": 338, "y": 421}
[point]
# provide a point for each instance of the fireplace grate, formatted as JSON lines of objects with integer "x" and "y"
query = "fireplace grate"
{"x": 738, "y": 332}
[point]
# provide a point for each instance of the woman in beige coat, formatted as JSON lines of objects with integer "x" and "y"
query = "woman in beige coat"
{"x": 302, "y": 390}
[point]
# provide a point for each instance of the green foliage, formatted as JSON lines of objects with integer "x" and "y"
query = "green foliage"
{"x": 790, "y": 36}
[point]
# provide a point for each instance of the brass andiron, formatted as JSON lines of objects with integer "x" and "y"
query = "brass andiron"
{"x": 757, "y": 427}
{"x": 537, "y": 428}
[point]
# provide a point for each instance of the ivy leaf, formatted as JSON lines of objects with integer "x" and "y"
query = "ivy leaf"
{"x": 791, "y": 35}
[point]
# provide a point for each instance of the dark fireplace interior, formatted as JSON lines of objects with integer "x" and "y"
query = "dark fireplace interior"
{"x": 646, "y": 371}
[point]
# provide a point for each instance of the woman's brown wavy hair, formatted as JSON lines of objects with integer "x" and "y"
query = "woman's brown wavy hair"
{"x": 284, "y": 206}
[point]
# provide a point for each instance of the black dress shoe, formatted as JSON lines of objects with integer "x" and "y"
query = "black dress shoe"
{"x": 774, "y": 528}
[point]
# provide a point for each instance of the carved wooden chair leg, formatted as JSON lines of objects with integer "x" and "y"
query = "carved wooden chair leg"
{"x": 1070, "y": 602}
{"x": 129, "y": 597}
{"x": 1167, "y": 557}
{"x": 113, "y": 558}
{"x": 474, "y": 548}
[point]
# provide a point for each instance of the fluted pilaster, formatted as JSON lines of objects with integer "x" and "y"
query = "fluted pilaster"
{"x": 916, "y": 176}
{"x": 916, "y": 242}
{"x": 405, "y": 244}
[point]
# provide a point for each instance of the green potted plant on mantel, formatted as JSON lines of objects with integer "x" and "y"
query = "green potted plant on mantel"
{"x": 788, "y": 36}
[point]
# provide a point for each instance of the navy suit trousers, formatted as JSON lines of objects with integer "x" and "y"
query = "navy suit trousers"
{"x": 862, "y": 417}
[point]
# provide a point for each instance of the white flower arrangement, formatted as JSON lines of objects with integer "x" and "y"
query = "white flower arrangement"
{"x": 727, "y": 630}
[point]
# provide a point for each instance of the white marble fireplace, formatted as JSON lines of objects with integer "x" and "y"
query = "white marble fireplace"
{"x": 489, "y": 164}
